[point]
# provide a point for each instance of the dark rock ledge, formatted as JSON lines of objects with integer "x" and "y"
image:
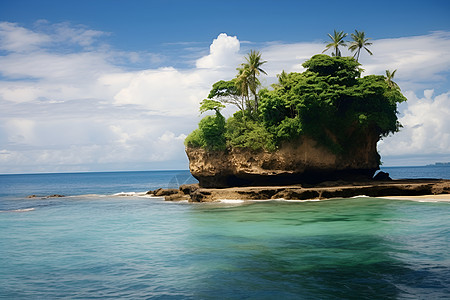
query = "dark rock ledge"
{"x": 325, "y": 190}
{"x": 45, "y": 197}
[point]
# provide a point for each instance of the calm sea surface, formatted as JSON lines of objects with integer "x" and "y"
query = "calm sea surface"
{"x": 107, "y": 239}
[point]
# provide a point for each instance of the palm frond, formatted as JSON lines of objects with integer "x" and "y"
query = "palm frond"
{"x": 393, "y": 73}
{"x": 370, "y": 52}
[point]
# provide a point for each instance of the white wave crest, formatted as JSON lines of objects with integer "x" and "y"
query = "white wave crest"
{"x": 292, "y": 200}
{"x": 19, "y": 210}
{"x": 130, "y": 194}
{"x": 231, "y": 201}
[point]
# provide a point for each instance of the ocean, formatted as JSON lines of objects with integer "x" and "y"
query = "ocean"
{"x": 108, "y": 239}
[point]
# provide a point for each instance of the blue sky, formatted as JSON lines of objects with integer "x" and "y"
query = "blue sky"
{"x": 115, "y": 85}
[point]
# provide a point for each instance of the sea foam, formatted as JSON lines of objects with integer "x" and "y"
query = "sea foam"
{"x": 19, "y": 210}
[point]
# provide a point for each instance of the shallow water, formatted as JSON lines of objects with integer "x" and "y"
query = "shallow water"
{"x": 110, "y": 246}
{"x": 140, "y": 247}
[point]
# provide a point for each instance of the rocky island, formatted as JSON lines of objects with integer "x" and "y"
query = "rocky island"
{"x": 312, "y": 135}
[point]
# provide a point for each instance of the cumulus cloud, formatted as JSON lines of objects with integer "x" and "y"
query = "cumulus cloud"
{"x": 426, "y": 127}
{"x": 177, "y": 92}
{"x": 165, "y": 91}
{"x": 79, "y": 108}
{"x": 223, "y": 52}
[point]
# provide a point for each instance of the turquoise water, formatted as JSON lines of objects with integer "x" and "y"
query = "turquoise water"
{"x": 119, "y": 244}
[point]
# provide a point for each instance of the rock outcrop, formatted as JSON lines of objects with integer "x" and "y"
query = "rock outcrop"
{"x": 326, "y": 190}
{"x": 302, "y": 161}
{"x": 409, "y": 187}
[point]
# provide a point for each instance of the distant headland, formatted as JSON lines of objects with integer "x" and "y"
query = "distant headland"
{"x": 440, "y": 164}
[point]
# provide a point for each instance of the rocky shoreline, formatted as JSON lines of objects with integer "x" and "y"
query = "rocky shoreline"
{"x": 325, "y": 190}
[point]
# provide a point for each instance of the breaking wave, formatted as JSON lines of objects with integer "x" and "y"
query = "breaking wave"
{"x": 18, "y": 210}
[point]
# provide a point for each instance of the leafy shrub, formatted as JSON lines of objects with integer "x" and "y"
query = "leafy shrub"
{"x": 246, "y": 133}
{"x": 210, "y": 133}
{"x": 195, "y": 139}
{"x": 212, "y": 129}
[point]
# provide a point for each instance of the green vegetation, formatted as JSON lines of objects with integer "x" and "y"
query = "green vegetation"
{"x": 211, "y": 129}
{"x": 329, "y": 102}
{"x": 389, "y": 80}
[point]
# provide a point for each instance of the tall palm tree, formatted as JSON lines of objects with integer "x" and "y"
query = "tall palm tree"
{"x": 337, "y": 40}
{"x": 241, "y": 83}
{"x": 249, "y": 71}
{"x": 359, "y": 41}
{"x": 389, "y": 79}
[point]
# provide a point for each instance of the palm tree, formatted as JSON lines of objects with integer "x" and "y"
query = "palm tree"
{"x": 241, "y": 83}
{"x": 337, "y": 40}
{"x": 389, "y": 80}
{"x": 249, "y": 72}
{"x": 282, "y": 78}
{"x": 359, "y": 41}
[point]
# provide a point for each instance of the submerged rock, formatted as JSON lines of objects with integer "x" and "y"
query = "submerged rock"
{"x": 184, "y": 192}
{"x": 164, "y": 192}
{"x": 45, "y": 197}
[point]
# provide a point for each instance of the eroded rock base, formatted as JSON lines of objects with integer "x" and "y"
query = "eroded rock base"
{"x": 325, "y": 190}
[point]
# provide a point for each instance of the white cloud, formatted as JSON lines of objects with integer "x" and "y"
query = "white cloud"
{"x": 288, "y": 57}
{"x": 55, "y": 67}
{"x": 174, "y": 92}
{"x": 20, "y": 131}
{"x": 15, "y": 38}
{"x": 65, "y": 32}
{"x": 53, "y": 76}
{"x": 165, "y": 91}
{"x": 18, "y": 39}
{"x": 82, "y": 144}
{"x": 74, "y": 109}
{"x": 223, "y": 52}
{"x": 418, "y": 59}
{"x": 426, "y": 127}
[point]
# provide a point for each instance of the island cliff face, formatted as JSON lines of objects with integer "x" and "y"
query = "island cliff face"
{"x": 302, "y": 161}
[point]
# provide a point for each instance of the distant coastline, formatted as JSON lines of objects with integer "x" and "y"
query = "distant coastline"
{"x": 439, "y": 164}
